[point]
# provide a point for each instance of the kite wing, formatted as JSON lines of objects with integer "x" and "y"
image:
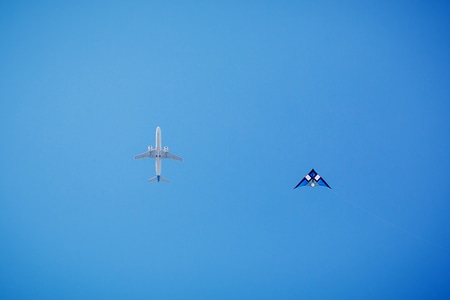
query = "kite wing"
{"x": 323, "y": 183}
{"x": 302, "y": 182}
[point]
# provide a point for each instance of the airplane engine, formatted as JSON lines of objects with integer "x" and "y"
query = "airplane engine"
{"x": 150, "y": 148}
{"x": 166, "y": 149}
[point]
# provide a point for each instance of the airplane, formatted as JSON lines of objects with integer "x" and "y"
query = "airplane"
{"x": 312, "y": 179}
{"x": 158, "y": 154}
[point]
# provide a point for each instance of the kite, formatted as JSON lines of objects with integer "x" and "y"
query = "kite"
{"x": 312, "y": 179}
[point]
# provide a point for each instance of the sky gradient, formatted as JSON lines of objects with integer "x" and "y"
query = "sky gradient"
{"x": 252, "y": 96}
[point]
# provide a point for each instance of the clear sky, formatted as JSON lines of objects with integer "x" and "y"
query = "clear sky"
{"x": 252, "y": 94}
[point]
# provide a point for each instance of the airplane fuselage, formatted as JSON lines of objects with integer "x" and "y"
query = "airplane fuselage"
{"x": 158, "y": 160}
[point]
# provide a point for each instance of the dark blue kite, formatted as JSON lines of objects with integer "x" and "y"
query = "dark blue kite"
{"x": 312, "y": 179}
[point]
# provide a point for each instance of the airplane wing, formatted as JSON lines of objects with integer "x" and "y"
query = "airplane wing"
{"x": 148, "y": 154}
{"x": 171, "y": 156}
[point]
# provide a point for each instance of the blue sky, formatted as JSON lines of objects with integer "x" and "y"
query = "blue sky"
{"x": 252, "y": 96}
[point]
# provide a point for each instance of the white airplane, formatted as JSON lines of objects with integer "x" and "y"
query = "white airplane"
{"x": 158, "y": 154}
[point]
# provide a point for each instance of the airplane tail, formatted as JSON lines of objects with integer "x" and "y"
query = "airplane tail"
{"x": 158, "y": 178}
